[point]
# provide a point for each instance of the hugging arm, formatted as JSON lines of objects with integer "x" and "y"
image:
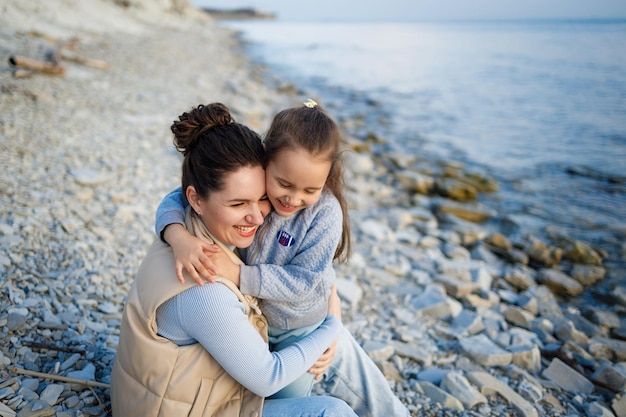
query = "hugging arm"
{"x": 171, "y": 210}
{"x": 191, "y": 253}
{"x": 226, "y": 333}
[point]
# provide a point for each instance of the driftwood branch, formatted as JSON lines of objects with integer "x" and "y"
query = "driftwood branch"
{"x": 22, "y": 73}
{"x": 55, "y": 64}
{"x": 36, "y": 65}
{"x": 44, "y": 375}
{"x": 42, "y": 35}
{"x": 52, "y": 347}
{"x": 95, "y": 63}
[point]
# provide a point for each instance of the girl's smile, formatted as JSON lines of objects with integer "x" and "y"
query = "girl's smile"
{"x": 295, "y": 180}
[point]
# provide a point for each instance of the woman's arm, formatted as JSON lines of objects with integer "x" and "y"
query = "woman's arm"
{"x": 214, "y": 316}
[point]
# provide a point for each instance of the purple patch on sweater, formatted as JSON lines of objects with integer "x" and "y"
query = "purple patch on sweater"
{"x": 284, "y": 238}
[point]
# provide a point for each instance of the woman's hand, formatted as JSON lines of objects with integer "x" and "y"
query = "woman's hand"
{"x": 191, "y": 254}
{"x": 324, "y": 361}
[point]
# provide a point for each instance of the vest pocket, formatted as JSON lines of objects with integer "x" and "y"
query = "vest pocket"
{"x": 199, "y": 405}
{"x": 221, "y": 396}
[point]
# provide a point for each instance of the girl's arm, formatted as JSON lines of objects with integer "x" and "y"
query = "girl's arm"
{"x": 171, "y": 210}
{"x": 214, "y": 316}
{"x": 190, "y": 254}
{"x": 189, "y": 251}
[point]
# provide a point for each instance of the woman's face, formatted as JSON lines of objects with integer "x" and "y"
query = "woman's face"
{"x": 234, "y": 214}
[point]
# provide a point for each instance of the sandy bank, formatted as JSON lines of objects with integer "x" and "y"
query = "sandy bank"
{"x": 86, "y": 157}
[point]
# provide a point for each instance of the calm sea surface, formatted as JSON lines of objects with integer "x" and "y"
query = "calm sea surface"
{"x": 532, "y": 103}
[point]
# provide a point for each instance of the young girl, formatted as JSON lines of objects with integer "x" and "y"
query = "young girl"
{"x": 289, "y": 265}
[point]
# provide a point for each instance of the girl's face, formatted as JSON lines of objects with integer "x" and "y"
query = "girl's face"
{"x": 295, "y": 180}
{"x": 234, "y": 214}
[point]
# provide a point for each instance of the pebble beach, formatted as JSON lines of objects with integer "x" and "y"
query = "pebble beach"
{"x": 462, "y": 320}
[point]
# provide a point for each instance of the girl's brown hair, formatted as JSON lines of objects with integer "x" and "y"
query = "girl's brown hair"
{"x": 213, "y": 144}
{"x": 311, "y": 129}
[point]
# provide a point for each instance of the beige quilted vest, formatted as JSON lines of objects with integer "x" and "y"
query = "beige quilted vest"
{"x": 152, "y": 376}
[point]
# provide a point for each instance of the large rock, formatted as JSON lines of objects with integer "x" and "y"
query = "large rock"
{"x": 543, "y": 254}
{"x": 580, "y": 252}
{"x": 439, "y": 396}
{"x": 587, "y": 274}
{"x": 559, "y": 282}
{"x": 435, "y": 303}
{"x": 527, "y": 356}
{"x": 567, "y": 378}
{"x": 455, "y": 189}
{"x": 474, "y": 212}
{"x": 488, "y": 385}
{"x": 482, "y": 182}
{"x": 482, "y": 350}
{"x": 458, "y": 386}
{"x": 415, "y": 182}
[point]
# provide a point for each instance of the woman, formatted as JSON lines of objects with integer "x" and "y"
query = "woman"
{"x": 202, "y": 350}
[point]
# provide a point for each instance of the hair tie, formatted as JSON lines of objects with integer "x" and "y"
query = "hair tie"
{"x": 310, "y": 103}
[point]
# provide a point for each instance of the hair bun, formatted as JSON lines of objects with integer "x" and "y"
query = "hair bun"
{"x": 193, "y": 124}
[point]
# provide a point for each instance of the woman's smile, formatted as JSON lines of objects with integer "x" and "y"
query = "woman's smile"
{"x": 246, "y": 231}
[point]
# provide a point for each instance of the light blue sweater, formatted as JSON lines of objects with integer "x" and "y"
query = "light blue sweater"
{"x": 289, "y": 264}
{"x": 213, "y": 316}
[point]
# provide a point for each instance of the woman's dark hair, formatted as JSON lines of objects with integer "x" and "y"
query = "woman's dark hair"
{"x": 213, "y": 144}
{"x": 309, "y": 128}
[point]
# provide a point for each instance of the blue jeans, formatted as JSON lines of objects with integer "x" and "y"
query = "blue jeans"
{"x": 355, "y": 378}
{"x": 352, "y": 377}
{"x": 280, "y": 339}
{"x": 320, "y": 406}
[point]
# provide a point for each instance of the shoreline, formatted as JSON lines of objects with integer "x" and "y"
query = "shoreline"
{"x": 88, "y": 156}
{"x": 537, "y": 197}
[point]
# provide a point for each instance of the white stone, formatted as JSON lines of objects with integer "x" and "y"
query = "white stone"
{"x": 459, "y": 387}
{"x": 437, "y": 395}
{"x": 487, "y": 384}
{"x": 567, "y": 378}
{"x": 484, "y": 351}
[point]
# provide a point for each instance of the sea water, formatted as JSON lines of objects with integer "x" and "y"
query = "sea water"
{"x": 539, "y": 105}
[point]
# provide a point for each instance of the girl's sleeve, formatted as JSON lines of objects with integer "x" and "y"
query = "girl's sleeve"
{"x": 213, "y": 315}
{"x": 311, "y": 265}
{"x": 171, "y": 210}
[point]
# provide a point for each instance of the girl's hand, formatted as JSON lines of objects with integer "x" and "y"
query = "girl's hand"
{"x": 220, "y": 261}
{"x": 324, "y": 361}
{"x": 191, "y": 254}
{"x": 334, "y": 303}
